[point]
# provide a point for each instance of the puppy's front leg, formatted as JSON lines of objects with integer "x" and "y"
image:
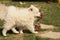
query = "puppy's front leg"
{"x": 7, "y": 26}
{"x": 31, "y": 28}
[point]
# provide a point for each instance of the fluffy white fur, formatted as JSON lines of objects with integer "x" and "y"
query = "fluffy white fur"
{"x": 21, "y": 16}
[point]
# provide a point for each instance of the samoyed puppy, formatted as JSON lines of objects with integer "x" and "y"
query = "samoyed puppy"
{"x": 22, "y": 17}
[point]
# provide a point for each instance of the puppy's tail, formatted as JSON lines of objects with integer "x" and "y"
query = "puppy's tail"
{"x": 3, "y": 11}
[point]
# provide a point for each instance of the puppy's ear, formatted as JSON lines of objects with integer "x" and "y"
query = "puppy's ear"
{"x": 31, "y": 8}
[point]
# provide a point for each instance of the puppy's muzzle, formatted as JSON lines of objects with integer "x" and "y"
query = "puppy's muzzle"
{"x": 41, "y": 16}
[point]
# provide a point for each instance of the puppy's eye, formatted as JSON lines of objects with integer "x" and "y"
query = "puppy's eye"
{"x": 31, "y": 9}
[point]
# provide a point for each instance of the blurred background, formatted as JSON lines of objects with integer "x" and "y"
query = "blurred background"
{"x": 51, "y": 10}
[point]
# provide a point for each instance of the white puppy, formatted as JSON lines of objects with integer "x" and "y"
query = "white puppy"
{"x": 21, "y": 16}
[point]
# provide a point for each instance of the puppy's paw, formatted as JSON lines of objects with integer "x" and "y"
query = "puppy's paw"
{"x": 21, "y": 31}
{"x": 16, "y": 32}
{"x": 4, "y": 35}
{"x": 35, "y": 32}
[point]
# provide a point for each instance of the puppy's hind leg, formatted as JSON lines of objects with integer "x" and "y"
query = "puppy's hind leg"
{"x": 21, "y": 31}
{"x": 7, "y": 26}
{"x": 14, "y": 30}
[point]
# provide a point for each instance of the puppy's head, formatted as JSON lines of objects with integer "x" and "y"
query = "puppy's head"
{"x": 35, "y": 11}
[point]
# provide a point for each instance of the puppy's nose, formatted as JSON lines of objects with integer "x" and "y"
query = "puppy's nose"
{"x": 41, "y": 15}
